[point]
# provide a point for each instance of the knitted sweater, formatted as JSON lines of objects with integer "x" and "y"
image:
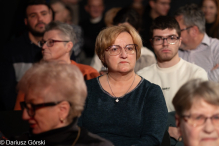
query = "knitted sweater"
{"x": 139, "y": 118}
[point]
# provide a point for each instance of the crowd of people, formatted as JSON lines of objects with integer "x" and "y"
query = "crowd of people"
{"x": 115, "y": 78}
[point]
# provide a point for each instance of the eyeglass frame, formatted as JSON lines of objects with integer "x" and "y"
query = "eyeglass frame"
{"x": 186, "y": 28}
{"x": 188, "y": 116}
{"x": 108, "y": 48}
{"x": 34, "y": 107}
{"x": 177, "y": 38}
{"x": 54, "y": 41}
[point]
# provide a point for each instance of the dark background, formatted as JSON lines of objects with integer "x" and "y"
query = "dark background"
{"x": 13, "y": 19}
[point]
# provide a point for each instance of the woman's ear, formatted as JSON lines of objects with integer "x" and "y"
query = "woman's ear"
{"x": 69, "y": 46}
{"x": 64, "y": 109}
{"x": 177, "y": 119}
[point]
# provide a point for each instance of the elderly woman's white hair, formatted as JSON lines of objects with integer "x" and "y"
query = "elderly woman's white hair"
{"x": 56, "y": 82}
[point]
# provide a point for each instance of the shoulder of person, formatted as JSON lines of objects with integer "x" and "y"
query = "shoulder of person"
{"x": 146, "y": 51}
{"x": 147, "y": 69}
{"x": 89, "y": 139}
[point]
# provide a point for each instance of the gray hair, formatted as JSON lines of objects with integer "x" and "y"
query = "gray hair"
{"x": 192, "y": 16}
{"x": 56, "y": 82}
{"x": 66, "y": 30}
{"x": 194, "y": 90}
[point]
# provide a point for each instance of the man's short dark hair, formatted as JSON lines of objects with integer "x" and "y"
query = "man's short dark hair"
{"x": 35, "y": 2}
{"x": 128, "y": 15}
{"x": 165, "y": 22}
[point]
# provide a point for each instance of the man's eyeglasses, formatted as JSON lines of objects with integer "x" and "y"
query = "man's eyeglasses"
{"x": 116, "y": 49}
{"x": 31, "y": 108}
{"x": 49, "y": 43}
{"x": 186, "y": 28}
{"x": 198, "y": 120}
{"x": 158, "y": 40}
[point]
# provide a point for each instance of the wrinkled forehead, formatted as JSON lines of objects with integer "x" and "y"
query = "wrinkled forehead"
{"x": 54, "y": 34}
{"x": 202, "y": 107}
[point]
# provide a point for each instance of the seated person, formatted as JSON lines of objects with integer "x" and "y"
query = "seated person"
{"x": 57, "y": 45}
{"x": 130, "y": 16}
{"x": 197, "y": 113}
{"x": 170, "y": 72}
{"x": 122, "y": 106}
{"x": 55, "y": 97}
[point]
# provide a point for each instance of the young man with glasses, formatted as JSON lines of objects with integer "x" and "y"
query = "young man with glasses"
{"x": 170, "y": 72}
{"x": 197, "y": 47}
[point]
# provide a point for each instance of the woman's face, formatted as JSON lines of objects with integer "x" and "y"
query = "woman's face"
{"x": 210, "y": 10}
{"x": 122, "y": 62}
{"x": 45, "y": 118}
{"x": 206, "y": 134}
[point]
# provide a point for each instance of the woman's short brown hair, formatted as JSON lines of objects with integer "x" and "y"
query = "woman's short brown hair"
{"x": 108, "y": 36}
{"x": 195, "y": 90}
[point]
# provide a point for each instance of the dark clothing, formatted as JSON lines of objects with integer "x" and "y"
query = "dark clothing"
{"x": 139, "y": 118}
{"x": 17, "y": 57}
{"x": 91, "y": 31}
{"x": 208, "y": 26}
{"x": 145, "y": 31}
{"x": 214, "y": 33}
{"x": 66, "y": 136}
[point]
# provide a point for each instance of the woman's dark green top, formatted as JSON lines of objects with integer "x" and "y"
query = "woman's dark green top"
{"x": 139, "y": 118}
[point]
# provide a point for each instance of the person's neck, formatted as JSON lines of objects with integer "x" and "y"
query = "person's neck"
{"x": 154, "y": 14}
{"x": 121, "y": 78}
{"x": 197, "y": 40}
{"x": 34, "y": 39}
{"x": 167, "y": 64}
{"x": 211, "y": 20}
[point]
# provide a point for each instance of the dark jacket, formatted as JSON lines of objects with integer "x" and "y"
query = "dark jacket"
{"x": 65, "y": 136}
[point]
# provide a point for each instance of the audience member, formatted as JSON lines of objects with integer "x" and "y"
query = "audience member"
{"x": 57, "y": 44}
{"x": 138, "y": 6}
{"x": 211, "y": 11}
{"x": 92, "y": 27}
{"x": 197, "y": 113}
{"x": 55, "y": 97}
{"x": 130, "y": 16}
{"x": 197, "y": 47}
{"x": 155, "y": 8}
{"x": 20, "y": 54}
{"x": 121, "y": 106}
{"x": 74, "y": 5}
{"x": 170, "y": 72}
{"x": 62, "y": 15}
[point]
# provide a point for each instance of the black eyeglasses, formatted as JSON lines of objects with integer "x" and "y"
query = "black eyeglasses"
{"x": 198, "y": 120}
{"x": 49, "y": 42}
{"x": 31, "y": 108}
{"x": 186, "y": 28}
{"x": 116, "y": 49}
{"x": 158, "y": 40}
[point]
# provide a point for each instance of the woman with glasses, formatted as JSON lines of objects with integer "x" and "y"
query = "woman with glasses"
{"x": 197, "y": 113}
{"x": 122, "y": 106}
{"x": 54, "y": 98}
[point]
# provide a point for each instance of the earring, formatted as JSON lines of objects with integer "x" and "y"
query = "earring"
{"x": 61, "y": 120}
